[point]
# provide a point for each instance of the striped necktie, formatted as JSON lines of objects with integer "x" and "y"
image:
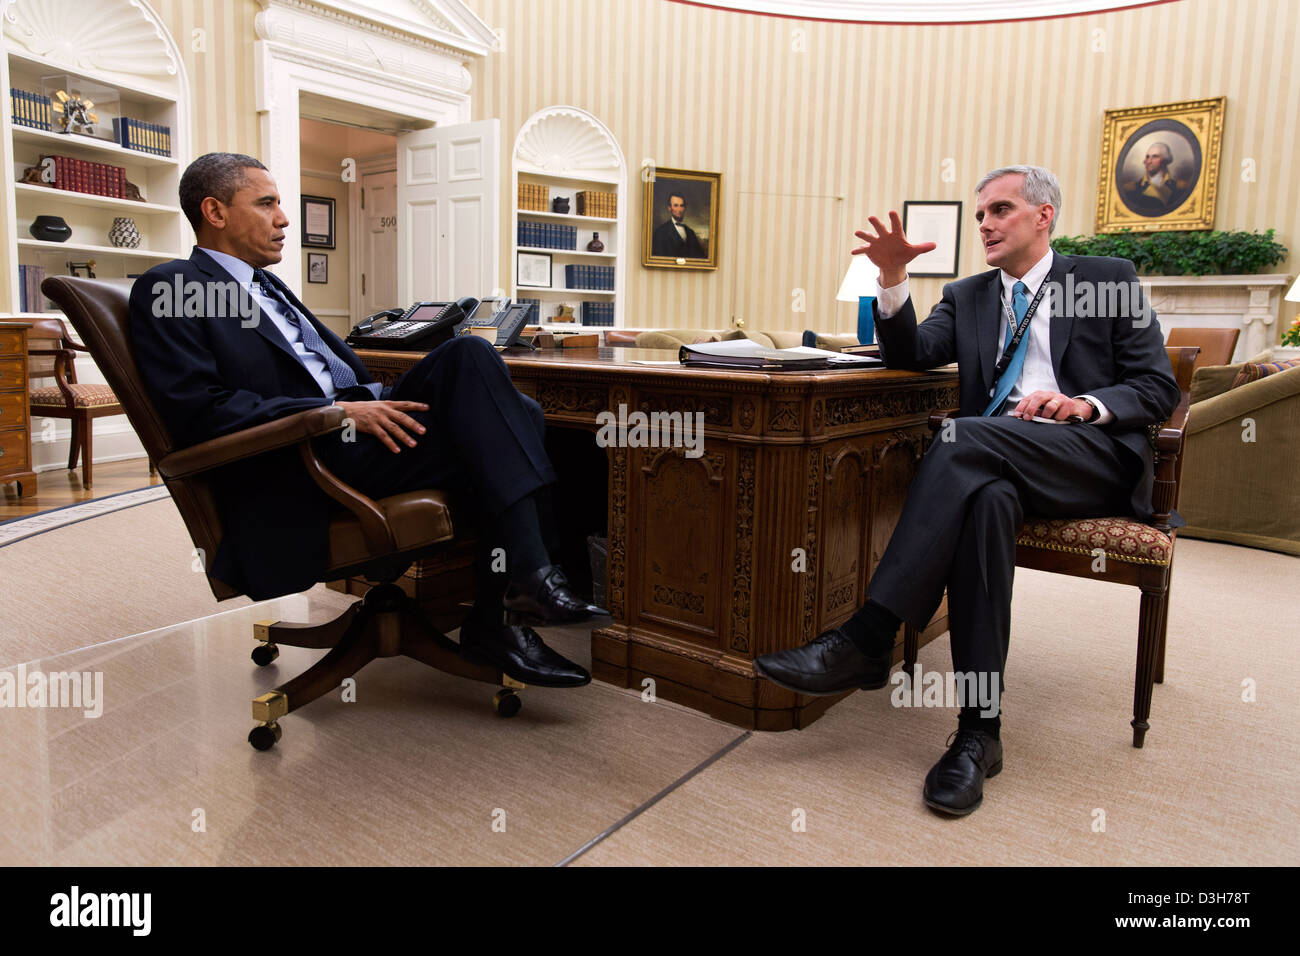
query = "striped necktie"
{"x": 340, "y": 371}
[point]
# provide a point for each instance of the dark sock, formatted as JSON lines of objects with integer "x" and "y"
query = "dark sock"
{"x": 520, "y": 528}
{"x": 872, "y": 629}
{"x": 970, "y": 719}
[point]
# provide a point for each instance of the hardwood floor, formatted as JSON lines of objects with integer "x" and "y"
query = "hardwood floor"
{"x": 61, "y": 487}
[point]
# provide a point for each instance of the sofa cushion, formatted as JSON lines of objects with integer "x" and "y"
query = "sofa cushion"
{"x": 1254, "y": 371}
{"x": 1211, "y": 380}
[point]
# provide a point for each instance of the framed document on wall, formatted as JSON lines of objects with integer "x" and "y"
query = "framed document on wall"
{"x": 938, "y": 222}
{"x": 318, "y": 222}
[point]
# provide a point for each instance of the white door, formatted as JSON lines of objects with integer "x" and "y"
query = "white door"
{"x": 448, "y": 184}
{"x": 379, "y": 243}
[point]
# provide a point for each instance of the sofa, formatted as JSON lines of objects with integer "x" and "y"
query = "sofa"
{"x": 1241, "y": 466}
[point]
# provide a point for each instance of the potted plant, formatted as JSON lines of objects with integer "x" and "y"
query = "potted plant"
{"x": 1290, "y": 347}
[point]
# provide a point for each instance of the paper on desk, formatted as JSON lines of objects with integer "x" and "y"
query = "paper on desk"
{"x": 654, "y": 362}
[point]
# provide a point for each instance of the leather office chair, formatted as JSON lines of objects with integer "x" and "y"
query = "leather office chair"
{"x": 1137, "y": 554}
{"x": 1216, "y": 345}
{"x": 377, "y": 539}
{"x": 52, "y": 353}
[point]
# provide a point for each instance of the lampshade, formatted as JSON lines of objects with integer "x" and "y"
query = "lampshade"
{"x": 1292, "y": 296}
{"x": 860, "y": 280}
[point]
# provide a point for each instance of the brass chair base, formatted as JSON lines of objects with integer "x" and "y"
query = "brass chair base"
{"x": 386, "y": 622}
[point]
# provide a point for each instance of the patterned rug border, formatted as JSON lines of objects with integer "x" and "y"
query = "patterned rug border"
{"x": 29, "y": 526}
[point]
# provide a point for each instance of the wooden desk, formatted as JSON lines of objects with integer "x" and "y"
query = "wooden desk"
{"x": 765, "y": 540}
{"x": 15, "y": 423}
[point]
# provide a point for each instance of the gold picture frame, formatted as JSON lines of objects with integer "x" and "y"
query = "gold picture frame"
{"x": 1160, "y": 166}
{"x": 692, "y": 243}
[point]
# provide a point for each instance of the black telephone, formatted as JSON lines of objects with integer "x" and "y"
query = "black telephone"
{"x": 425, "y": 325}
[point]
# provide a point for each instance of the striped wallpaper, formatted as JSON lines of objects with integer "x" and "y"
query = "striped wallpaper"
{"x": 815, "y": 125}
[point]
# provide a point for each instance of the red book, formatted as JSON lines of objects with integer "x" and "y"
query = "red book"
{"x": 60, "y": 172}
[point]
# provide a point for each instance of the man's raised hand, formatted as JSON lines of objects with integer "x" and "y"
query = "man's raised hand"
{"x": 889, "y": 249}
{"x": 386, "y": 420}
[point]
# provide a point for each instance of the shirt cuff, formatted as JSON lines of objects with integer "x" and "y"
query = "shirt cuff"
{"x": 1104, "y": 417}
{"x": 891, "y": 300}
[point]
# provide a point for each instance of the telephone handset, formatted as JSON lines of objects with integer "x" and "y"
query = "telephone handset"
{"x": 425, "y": 325}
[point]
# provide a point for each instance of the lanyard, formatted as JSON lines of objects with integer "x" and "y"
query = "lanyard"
{"x": 1010, "y": 350}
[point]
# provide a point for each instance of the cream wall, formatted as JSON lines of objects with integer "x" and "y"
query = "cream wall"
{"x": 224, "y": 107}
{"x": 871, "y": 113}
{"x": 795, "y": 131}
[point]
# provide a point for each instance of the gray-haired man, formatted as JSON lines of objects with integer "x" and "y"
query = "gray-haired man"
{"x": 1108, "y": 372}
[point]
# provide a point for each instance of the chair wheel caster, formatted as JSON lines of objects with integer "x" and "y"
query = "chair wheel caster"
{"x": 265, "y": 736}
{"x": 264, "y": 654}
{"x": 506, "y": 702}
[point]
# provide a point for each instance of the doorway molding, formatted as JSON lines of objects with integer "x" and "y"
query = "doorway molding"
{"x": 405, "y": 69}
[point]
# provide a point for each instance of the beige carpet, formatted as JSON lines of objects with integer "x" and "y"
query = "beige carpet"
{"x": 418, "y": 769}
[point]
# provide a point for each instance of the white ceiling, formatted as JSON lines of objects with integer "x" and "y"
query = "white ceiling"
{"x": 922, "y": 11}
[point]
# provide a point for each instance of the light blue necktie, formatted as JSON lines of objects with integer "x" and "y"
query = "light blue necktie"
{"x": 1020, "y": 303}
{"x": 340, "y": 370}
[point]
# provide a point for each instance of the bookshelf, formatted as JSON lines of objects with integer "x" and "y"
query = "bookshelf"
{"x": 562, "y": 151}
{"x": 153, "y": 96}
{"x": 126, "y": 49}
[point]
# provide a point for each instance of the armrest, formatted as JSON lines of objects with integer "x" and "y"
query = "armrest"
{"x": 252, "y": 441}
{"x": 1169, "y": 439}
{"x": 937, "y": 417}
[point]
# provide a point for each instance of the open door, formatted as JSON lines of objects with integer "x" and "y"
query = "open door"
{"x": 448, "y": 184}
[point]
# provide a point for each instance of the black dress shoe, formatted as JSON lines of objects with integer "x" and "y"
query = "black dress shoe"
{"x": 956, "y": 783}
{"x": 829, "y": 664}
{"x": 520, "y": 653}
{"x": 544, "y": 598}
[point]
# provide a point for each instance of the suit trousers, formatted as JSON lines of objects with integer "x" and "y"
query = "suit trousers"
{"x": 964, "y": 511}
{"x": 483, "y": 444}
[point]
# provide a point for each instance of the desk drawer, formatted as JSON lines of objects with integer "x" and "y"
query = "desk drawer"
{"x": 11, "y": 372}
{"x": 11, "y": 342}
{"x": 13, "y": 409}
{"x": 13, "y": 451}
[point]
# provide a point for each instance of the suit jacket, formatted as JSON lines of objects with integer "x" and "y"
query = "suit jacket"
{"x": 208, "y": 375}
{"x": 666, "y": 242}
{"x": 1117, "y": 358}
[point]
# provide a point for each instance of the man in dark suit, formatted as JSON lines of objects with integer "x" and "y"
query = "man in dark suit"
{"x": 223, "y": 345}
{"x": 674, "y": 238}
{"x": 1088, "y": 356}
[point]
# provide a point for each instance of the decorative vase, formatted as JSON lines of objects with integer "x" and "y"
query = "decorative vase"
{"x": 595, "y": 245}
{"x": 50, "y": 229}
{"x": 124, "y": 233}
{"x": 560, "y": 204}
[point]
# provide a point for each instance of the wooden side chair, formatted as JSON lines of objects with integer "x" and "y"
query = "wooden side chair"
{"x": 1136, "y": 554}
{"x": 374, "y": 539}
{"x": 52, "y": 354}
{"x": 1216, "y": 345}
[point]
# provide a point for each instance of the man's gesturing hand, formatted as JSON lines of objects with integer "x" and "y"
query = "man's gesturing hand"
{"x": 386, "y": 420}
{"x": 1052, "y": 405}
{"x": 889, "y": 249}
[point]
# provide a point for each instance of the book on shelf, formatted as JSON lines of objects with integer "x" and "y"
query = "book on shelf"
{"x": 595, "y": 203}
{"x": 30, "y": 109}
{"x": 744, "y": 353}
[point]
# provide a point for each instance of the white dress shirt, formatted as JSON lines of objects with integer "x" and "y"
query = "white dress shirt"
{"x": 1037, "y": 373}
{"x": 242, "y": 273}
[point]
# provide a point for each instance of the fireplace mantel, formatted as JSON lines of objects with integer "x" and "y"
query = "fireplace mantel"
{"x": 1250, "y": 303}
